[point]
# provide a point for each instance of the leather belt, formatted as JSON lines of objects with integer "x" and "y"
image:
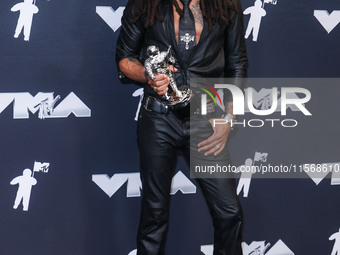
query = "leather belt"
{"x": 152, "y": 104}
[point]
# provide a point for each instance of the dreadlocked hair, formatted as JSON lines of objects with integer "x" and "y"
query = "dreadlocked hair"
{"x": 212, "y": 10}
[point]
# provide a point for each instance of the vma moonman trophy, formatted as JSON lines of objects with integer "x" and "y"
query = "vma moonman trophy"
{"x": 158, "y": 62}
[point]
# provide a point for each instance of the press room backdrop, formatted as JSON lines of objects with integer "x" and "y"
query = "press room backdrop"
{"x": 68, "y": 157}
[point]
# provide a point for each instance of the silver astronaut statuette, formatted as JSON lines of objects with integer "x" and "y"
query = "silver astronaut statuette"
{"x": 158, "y": 62}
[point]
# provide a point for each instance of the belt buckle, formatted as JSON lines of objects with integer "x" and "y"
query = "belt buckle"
{"x": 147, "y": 103}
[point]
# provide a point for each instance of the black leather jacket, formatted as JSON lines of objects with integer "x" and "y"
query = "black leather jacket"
{"x": 220, "y": 52}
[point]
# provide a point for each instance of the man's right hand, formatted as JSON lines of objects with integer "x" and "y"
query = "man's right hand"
{"x": 161, "y": 82}
{"x": 134, "y": 70}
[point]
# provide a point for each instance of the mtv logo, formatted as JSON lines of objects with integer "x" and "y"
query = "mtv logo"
{"x": 41, "y": 167}
{"x": 273, "y": 2}
{"x": 260, "y": 156}
{"x": 262, "y": 100}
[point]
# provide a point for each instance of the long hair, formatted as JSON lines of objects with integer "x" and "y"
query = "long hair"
{"x": 213, "y": 11}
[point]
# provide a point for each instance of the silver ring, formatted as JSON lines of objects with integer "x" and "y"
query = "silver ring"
{"x": 217, "y": 146}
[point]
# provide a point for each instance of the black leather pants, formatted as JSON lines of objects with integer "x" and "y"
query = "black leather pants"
{"x": 159, "y": 136}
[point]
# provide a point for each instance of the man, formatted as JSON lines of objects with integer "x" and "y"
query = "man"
{"x": 214, "y": 47}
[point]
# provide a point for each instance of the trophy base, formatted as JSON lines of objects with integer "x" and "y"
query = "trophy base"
{"x": 183, "y": 99}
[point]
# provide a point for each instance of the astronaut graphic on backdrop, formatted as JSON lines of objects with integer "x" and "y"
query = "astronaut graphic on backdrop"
{"x": 336, "y": 247}
{"x": 256, "y": 13}
{"x": 247, "y": 170}
{"x": 245, "y": 178}
{"x": 25, "y": 181}
{"x": 27, "y": 10}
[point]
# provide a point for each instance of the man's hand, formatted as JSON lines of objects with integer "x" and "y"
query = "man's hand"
{"x": 217, "y": 141}
{"x": 161, "y": 82}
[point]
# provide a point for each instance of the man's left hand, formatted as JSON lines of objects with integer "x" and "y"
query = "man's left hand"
{"x": 217, "y": 141}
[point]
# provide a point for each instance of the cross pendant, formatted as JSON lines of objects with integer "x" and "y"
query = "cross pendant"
{"x": 187, "y": 38}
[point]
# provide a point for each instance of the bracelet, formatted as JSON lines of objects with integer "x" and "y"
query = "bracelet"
{"x": 229, "y": 118}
